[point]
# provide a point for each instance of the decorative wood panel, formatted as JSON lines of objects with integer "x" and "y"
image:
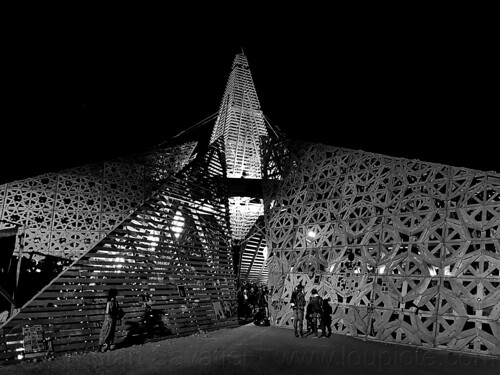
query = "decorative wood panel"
{"x": 240, "y": 126}
{"x": 177, "y": 239}
{"x": 408, "y": 251}
{"x": 244, "y": 212}
{"x": 240, "y": 123}
{"x": 64, "y": 214}
{"x": 253, "y": 259}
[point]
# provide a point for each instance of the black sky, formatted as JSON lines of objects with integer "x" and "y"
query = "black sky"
{"x": 82, "y": 91}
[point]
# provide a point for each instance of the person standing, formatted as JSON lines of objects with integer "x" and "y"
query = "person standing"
{"x": 298, "y": 302}
{"x": 309, "y": 319}
{"x": 316, "y": 303}
{"x": 148, "y": 318}
{"x": 326, "y": 318}
{"x": 240, "y": 300}
{"x": 111, "y": 315}
{"x": 262, "y": 301}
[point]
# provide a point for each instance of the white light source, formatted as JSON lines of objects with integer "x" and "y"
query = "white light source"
{"x": 177, "y": 224}
{"x": 153, "y": 239}
{"x": 311, "y": 234}
{"x": 119, "y": 260}
{"x": 432, "y": 270}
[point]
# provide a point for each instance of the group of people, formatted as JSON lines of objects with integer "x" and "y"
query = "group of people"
{"x": 252, "y": 301}
{"x": 318, "y": 313}
{"x": 252, "y": 304}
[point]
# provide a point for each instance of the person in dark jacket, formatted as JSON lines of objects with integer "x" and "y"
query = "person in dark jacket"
{"x": 298, "y": 303}
{"x": 262, "y": 300}
{"x": 316, "y": 303}
{"x": 326, "y": 318}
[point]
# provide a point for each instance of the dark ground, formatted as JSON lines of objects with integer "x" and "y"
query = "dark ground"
{"x": 251, "y": 349}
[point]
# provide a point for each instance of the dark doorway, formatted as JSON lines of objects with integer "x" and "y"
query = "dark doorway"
{"x": 7, "y": 263}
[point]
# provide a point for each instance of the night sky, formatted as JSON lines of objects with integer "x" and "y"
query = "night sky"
{"x": 79, "y": 92}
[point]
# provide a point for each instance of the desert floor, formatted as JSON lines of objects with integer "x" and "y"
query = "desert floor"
{"x": 251, "y": 349}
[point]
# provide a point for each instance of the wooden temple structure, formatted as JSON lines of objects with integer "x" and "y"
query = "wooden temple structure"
{"x": 407, "y": 251}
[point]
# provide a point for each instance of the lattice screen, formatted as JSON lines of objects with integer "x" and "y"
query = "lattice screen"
{"x": 66, "y": 213}
{"x": 424, "y": 240}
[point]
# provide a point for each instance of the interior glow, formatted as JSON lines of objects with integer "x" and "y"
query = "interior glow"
{"x": 153, "y": 239}
{"x": 121, "y": 260}
{"x": 432, "y": 271}
{"x": 178, "y": 224}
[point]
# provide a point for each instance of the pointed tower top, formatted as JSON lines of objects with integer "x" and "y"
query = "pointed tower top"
{"x": 240, "y": 122}
{"x": 241, "y": 60}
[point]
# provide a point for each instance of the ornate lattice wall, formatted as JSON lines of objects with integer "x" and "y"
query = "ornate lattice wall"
{"x": 424, "y": 239}
{"x": 64, "y": 214}
{"x": 178, "y": 238}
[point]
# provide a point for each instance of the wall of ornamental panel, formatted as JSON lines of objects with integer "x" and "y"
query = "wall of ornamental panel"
{"x": 64, "y": 214}
{"x": 175, "y": 246}
{"x": 407, "y": 251}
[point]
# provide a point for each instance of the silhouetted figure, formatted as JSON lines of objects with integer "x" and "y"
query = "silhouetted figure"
{"x": 326, "y": 318}
{"x": 309, "y": 319}
{"x": 262, "y": 300}
{"x": 111, "y": 315}
{"x": 316, "y": 303}
{"x": 148, "y": 319}
{"x": 240, "y": 300}
{"x": 298, "y": 303}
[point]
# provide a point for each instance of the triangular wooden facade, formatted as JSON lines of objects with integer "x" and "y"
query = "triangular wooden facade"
{"x": 175, "y": 246}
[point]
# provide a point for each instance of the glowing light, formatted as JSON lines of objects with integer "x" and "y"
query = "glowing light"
{"x": 432, "y": 271}
{"x": 153, "y": 239}
{"x": 447, "y": 271}
{"x": 311, "y": 234}
{"x": 121, "y": 260}
{"x": 178, "y": 224}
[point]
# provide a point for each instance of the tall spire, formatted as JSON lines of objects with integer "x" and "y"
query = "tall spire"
{"x": 240, "y": 122}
